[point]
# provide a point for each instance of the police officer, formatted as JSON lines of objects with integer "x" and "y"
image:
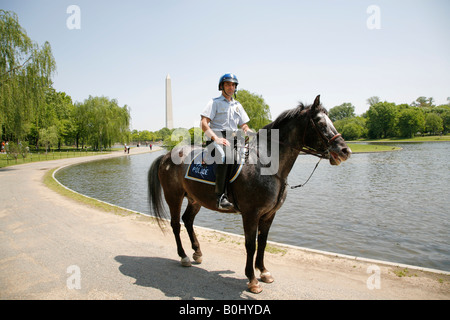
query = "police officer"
{"x": 221, "y": 117}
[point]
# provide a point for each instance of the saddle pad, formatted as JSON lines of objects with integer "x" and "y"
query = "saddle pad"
{"x": 207, "y": 173}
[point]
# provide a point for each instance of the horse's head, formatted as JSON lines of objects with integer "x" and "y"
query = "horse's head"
{"x": 309, "y": 129}
{"x": 321, "y": 137}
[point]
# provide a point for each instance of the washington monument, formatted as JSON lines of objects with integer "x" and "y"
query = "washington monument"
{"x": 169, "y": 115}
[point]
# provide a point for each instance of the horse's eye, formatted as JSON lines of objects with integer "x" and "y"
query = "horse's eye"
{"x": 322, "y": 123}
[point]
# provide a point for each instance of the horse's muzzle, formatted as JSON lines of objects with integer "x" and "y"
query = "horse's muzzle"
{"x": 339, "y": 155}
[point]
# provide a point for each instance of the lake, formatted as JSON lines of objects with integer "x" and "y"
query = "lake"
{"x": 391, "y": 206}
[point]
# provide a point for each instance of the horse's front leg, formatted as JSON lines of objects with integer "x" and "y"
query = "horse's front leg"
{"x": 250, "y": 228}
{"x": 188, "y": 219}
{"x": 263, "y": 232}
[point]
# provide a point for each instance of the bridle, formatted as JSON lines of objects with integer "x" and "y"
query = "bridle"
{"x": 324, "y": 140}
{"x": 304, "y": 148}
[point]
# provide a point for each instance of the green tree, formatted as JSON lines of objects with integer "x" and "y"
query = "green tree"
{"x": 193, "y": 136}
{"x": 16, "y": 149}
{"x": 423, "y": 102}
{"x": 101, "y": 122}
{"x": 135, "y": 135}
{"x": 381, "y": 120}
{"x": 446, "y": 120}
{"x": 49, "y": 137}
{"x": 146, "y": 135}
{"x": 410, "y": 121}
{"x": 81, "y": 124}
{"x": 373, "y": 100}
{"x": 256, "y": 108}
{"x": 59, "y": 112}
{"x": 345, "y": 110}
{"x": 164, "y": 133}
{"x": 197, "y": 136}
{"x": 433, "y": 123}
{"x": 352, "y": 128}
{"x": 25, "y": 74}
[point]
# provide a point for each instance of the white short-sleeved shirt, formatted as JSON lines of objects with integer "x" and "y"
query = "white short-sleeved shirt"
{"x": 225, "y": 115}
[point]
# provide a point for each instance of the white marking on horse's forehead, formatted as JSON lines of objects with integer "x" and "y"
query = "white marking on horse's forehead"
{"x": 328, "y": 121}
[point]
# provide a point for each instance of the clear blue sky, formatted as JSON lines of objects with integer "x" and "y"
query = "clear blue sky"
{"x": 286, "y": 51}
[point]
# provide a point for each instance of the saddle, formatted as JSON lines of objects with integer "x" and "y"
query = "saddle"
{"x": 199, "y": 170}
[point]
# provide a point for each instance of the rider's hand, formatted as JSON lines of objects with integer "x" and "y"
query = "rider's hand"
{"x": 222, "y": 141}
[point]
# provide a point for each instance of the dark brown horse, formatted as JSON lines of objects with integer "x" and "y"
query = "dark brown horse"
{"x": 256, "y": 194}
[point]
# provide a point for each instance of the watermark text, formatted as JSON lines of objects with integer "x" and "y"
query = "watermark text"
{"x": 374, "y": 280}
{"x": 373, "y": 22}
{"x": 74, "y": 20}
{"x": 74, "y": 280}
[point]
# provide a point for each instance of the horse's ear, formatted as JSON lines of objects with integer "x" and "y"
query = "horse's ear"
{"x": 316, "y": 103}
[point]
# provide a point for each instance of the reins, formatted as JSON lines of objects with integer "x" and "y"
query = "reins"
{"x": 303, "y": 184}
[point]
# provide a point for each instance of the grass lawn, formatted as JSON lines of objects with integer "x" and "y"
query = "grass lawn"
{"x": 362, "y": 148}
{"x": 415, "y": 139}
{"x": 8, "y": 160}
{"x": 384, "y": 144}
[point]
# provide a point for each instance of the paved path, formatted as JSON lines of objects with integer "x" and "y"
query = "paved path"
{"x": 52, "y": 247}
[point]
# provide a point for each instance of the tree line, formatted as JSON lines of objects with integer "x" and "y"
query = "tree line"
{"x": 382, "y": 120}
{"x": 33, "y": 113}
{"x": 388, "y": 120}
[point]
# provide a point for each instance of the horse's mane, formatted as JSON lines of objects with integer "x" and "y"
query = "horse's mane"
{"x": 291, "y": 114}
{"x": 285, "y": 116}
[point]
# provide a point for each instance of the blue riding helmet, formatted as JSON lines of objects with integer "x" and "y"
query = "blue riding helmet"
{"x": 228, "y": 77}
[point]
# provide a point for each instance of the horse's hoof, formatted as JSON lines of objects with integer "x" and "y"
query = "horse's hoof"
{"x": 254, "y": 287}
{"x": 266, "y": 277}
{"x": 197, "y": 258}
{"x": 186, "y": 262}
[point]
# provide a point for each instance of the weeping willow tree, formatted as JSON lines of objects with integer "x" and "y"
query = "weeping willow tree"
{"x": 101, "y": 122}
{"x": 25, "y": 75}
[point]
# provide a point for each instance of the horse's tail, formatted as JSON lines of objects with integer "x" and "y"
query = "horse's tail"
{"x": 154, "y": 192}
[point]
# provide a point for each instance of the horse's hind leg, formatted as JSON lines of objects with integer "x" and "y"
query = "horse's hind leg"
{"x": 188, "y": 219}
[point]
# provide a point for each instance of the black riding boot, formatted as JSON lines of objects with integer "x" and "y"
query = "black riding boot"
{"x": 221, "y": 187}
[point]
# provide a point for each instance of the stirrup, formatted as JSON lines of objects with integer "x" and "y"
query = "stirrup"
{"x": 223, "y": 203}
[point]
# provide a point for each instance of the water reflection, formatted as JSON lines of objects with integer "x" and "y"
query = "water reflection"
{"x": 390, "y": 206}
